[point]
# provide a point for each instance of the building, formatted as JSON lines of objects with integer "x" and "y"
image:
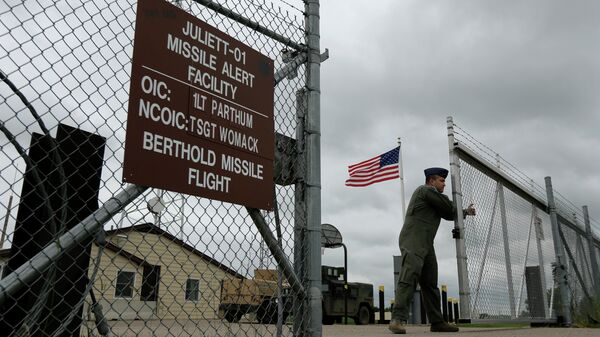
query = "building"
{"x": 147, "y": 273}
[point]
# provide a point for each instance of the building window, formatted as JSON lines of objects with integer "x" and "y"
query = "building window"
{"x": 150, "y": 283}
{"x": 192, "y": 289}
{"x": 124, "y": 285}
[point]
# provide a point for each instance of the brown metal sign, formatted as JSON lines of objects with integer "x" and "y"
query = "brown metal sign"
{"x": 200, "y": 117}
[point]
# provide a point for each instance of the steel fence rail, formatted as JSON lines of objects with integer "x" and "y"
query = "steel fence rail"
{"x": 530, "y": 254}
{"x": 26, "y": 273}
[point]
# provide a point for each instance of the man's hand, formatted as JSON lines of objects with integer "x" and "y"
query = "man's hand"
{"x": 470, "y": 210}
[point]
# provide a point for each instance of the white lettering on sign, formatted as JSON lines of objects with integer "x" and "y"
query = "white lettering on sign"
{"x": 199, "y": 101}
{"x": 241, "y": 166}
{"x": 195, "y": 95}
{"x": 162, "y": 114}
{"x": 202, "y": 127}
{"x": 232, "y": 114}
{"x": 238, "y": 74}
{"x": 208, "y": 180}
{"x": 155, "y": 87}
{"x": 238, "y": 139}
{"x": 206, "y": 38}
{"x": 211, "y": 82}
{"x": 191, "y": 52}
{"x": 178, "y": 149}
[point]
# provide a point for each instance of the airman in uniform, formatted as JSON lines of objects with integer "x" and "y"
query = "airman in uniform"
{"x": 427, "y": 206}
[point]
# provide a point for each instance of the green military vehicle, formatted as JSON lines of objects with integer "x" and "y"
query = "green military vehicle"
{"x": 359, "y": 298}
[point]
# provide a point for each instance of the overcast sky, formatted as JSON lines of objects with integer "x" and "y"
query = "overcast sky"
{"x": 522, "y": 77}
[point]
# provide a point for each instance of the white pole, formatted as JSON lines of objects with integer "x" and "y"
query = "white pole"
{"x": 401, "y": 177}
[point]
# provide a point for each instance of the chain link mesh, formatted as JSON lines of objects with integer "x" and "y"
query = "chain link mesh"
{"x": 509, "y": 244}
{"x": 496, "y": 271}
{"x": 65, "y": 67}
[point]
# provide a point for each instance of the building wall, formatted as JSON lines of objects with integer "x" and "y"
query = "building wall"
{"x": 104, "y": 287}
{"x": 177, "y": 265}
{"x": 110, "y": 264}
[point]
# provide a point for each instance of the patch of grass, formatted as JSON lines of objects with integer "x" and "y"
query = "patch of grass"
{"x": 587, "y": 314}
{"x": 592, "y": 326}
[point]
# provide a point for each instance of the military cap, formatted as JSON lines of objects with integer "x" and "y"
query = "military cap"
{"x": 437, "y": 171}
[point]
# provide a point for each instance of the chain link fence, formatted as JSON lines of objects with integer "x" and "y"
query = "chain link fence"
{"x": 166, "y": 264}
{"x": 510, "y": 254}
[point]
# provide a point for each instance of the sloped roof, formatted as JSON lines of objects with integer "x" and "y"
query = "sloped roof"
{"x": 152, "y": 229}
{"x": 129, "y": 256}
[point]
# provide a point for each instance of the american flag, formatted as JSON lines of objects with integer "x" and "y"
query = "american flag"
{"x": 374, "y": 170}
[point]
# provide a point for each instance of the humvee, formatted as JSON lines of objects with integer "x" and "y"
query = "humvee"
{"x": 360, "y": 298}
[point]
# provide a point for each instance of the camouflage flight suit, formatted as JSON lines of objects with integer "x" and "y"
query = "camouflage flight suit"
{"x": 426, "y": 208}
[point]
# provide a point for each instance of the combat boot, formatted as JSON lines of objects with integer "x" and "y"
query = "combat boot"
{"x": 397, "y": 326}
{"x": 443, "y": 327}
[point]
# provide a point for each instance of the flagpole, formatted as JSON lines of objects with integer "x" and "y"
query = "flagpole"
{"x": 401, "y": 177}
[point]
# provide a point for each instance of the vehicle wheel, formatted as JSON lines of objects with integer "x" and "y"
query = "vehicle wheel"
{"x": 363, "y": 316}
{"x": 328, "y": 320}
{"x": 233, "y": 316}
{"x": 267, "y": 313}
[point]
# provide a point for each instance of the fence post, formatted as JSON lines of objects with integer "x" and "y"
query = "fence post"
{"x": 313, "y": 172}
{"x": 456, "y": 311}
{"x": 539, "y": 236}
{"x": 592, "y": 249}
{"x": 300, "y": 249}
{"x": 444, "y": 301}
{"x": 449, "y": 304}
{"x": 461, "y": 250}
{"x": 507, "y": 261}
{"x": 520, "y": 297}
{"x": 561, "y": 268}
{"x": 381, "y": 305}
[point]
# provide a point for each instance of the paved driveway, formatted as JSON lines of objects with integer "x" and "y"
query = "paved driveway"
{"x": 423, "y": 331}
{"x": 218, "y": 328}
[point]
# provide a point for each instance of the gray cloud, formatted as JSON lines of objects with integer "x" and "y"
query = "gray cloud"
{"x": 520, "y": 76}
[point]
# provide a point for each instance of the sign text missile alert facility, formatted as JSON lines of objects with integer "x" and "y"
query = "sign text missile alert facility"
{"x": 200, "y": 117}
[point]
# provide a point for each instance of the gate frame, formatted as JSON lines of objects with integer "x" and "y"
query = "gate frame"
{"x": 457, "y": 152}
